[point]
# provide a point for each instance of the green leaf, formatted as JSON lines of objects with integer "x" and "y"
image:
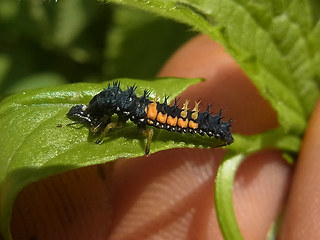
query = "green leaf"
{"x": 274, "y": 42}
{"x": 276, "y": 138}
{"x": 42, "y": 80}
{"x": 223, "y": 195}
{"x": 35, "y": 145}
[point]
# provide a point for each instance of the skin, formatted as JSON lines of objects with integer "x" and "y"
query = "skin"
{"x": 169, "y": 195}
{"x": 302, "y": 220}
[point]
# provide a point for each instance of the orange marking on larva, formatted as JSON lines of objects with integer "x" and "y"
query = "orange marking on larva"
{"x": 172, "y": 121}
{"x": 193, "y": 125}
{"x": 152, "y": 111}
{"x": 183, "y": 123}
{"x": 161, "y": 118}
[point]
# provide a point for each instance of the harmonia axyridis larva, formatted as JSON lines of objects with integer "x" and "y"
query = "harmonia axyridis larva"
{"x": 142, "y": 111}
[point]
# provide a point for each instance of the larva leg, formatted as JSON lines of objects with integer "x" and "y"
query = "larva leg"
{"x": 95, "y": 129}
{"x": 103, "y": 122}
{"x": 111, "y": 125}
{"x": 148, "y": 134}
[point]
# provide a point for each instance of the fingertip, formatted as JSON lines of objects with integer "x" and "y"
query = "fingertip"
{"x": 302, "y": 215}
{"x": 168, "y": 195}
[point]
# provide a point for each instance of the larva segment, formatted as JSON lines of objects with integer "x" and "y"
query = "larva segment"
{"x": 193, "y": 125}
{"x": 162, "y": 118}
{"x": 183, "y": 123}
{"x": 152, "y": 111}
{"x": 172, "y": 121}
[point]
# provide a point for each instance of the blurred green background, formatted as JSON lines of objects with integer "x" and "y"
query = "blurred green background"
{"x": 45, "y": 43}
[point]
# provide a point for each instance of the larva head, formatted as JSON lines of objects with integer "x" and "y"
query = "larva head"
{"x": 80, "y": 114}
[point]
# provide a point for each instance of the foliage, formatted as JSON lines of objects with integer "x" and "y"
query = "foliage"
{"x": 275, "y": 42}
{"x": 46, "y": 43}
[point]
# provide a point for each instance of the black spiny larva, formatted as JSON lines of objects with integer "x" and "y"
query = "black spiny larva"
{"x": 143, "y": 111}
